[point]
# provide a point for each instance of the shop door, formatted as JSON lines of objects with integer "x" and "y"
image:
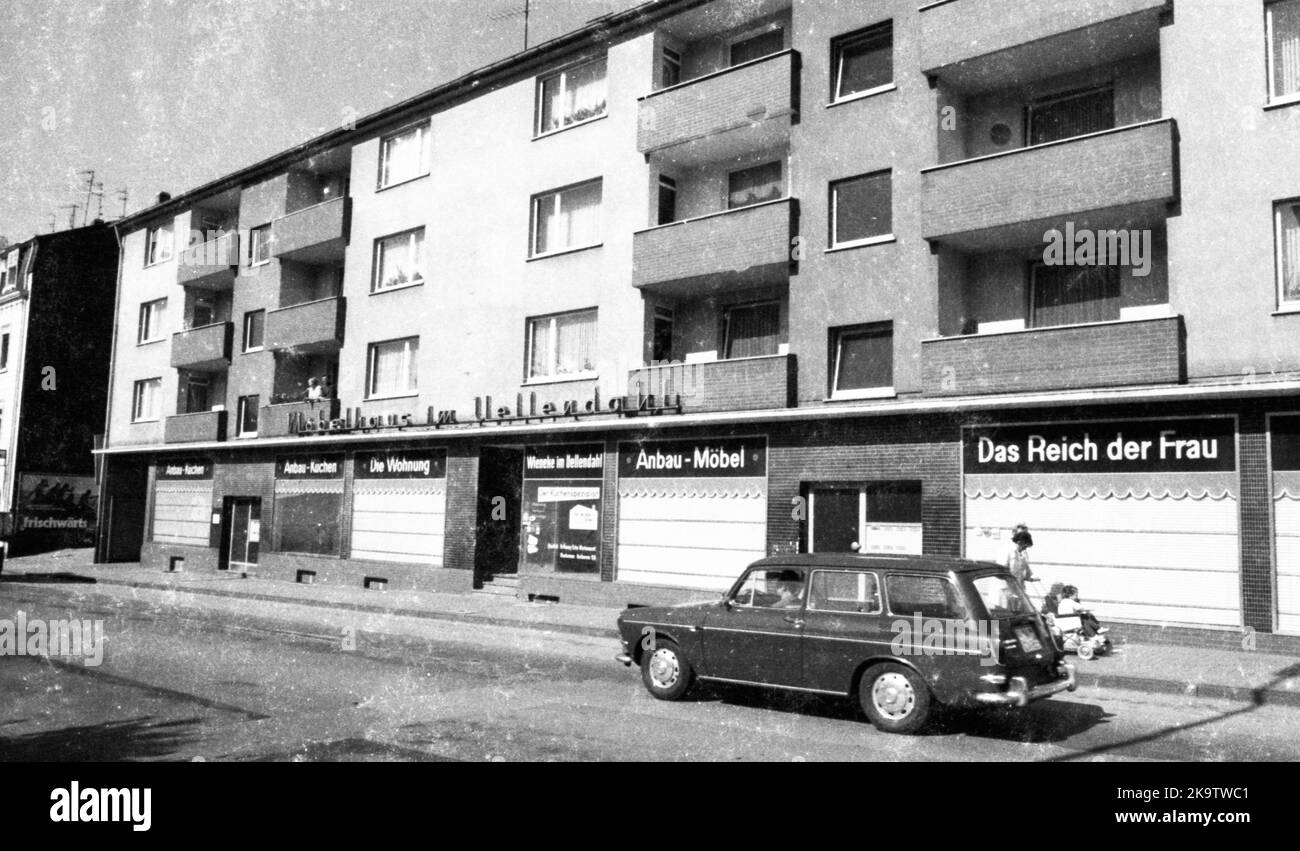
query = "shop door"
{"x": 500, "y": 486}
{"x": 242, "y": 533}
{"x": 881, "y": 517}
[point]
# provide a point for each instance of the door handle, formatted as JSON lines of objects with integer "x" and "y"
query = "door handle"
{"x": 795, "y": 621}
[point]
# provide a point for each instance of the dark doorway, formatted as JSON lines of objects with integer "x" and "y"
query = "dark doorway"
{"x": 500, "y": 487}
{"x": 122, "y": 516}
{"x": 241, "y": 532}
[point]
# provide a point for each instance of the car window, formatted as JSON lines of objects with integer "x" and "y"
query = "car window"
{"x": 771, "y": 588}
{"x": 1002, "y": 596}
{"x": 927, "y": 596}
{"x": 844, "y": 591}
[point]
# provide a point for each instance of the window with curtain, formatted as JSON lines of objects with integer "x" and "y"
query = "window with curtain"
{"x": 402, "y": 156}
{"x": 144, "y": 403}
{"x": 9, "y": 272}
{"x": 758, "y": 46}
{"x": 248, "y": 406}
{"x": 1074, "y": 295}
{"x": 1288, "y": 253}
{"x": 570, "y": 96}
{"x": 562, "y": 345}
{"x": 754, "y": 185}
{"x": 254, "y": 328}
{"x": 753, "y": 330}
{"x": 399, "y": 260}
{"x": 1283, "y": 18}
{"x": 1071, "y": 114}
{"x": 863, "y": 61}
{"x": 567, "y": 218}
{"x": 259, "y": 245}
{"x": 392, "y": 368}
{"x": 864, "y": 359}
{"x": 861, "y": 208}
{"x": 158, "y": 243}
{"x": 151, "y": 321}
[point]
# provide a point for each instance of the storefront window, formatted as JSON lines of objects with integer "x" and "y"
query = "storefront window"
{"x": 561, "y": 510}
{"x": 308, "y": 522}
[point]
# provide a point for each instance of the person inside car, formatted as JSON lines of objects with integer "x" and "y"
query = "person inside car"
{"x": 790, "y": 590}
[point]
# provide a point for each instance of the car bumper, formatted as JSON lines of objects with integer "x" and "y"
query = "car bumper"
{"x": 1019, "y": 692}
{"x": 625, "y": 659}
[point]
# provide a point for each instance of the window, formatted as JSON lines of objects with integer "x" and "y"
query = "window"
{"x": 1074, "y": 295}
{"x": 197, "y": 387}
{"x": 1288, "y": 253}
{"x": 661, "y": 344}
{"x": 391, "y": 369}
{"x": 151, "y": 319}
{"x": 773, "y": 588}
{"x": 853, "y": 591}
{"x": 202, "y": 312}
{"x": 671, "y": 68}
{"x": 754, "y": 185}
{"x": 399, "y": 261}
{"x": 862, "y": 209}
{"x": 863, "y": 361}
{"x": 402, "y": 156}
{"x": 259, "y": 245}
{"x": 308, "y": 522}
{"x": 570, "y": 96}
{"x": 144, "y": 404}
{"x": 752, "y": 47}
{"x": 1071, "y": 114}
{"x": 247, "y": 421}
{"x": 1283, "y": 20}
{"x": 863, "y": 62}
{"x": 667, "y": 200}
{"x": 926, "y": 596}
{"x": 752, "y": 330}
{"x": 4, "y": 351}
{"x": 567, "y": 218}
{"x": 9, "y": 272}
{"x": 563, "y": 345}
{"x": 254, "y": 326}
{"x": 158, "y": 243}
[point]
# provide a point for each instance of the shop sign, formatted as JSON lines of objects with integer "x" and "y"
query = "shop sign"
{"x": 1130, "y": 446}
{"x": 693, "y": 458}
{"x": 561, "y": 508}
{"x": 565, "y": 462}
{"x": 189, "y": 469}
{"x": 400, "y": 465}
{"x": 1286, "y": 443}
{"x": 309, "y": 467}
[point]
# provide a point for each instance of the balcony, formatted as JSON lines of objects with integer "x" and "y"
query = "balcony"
{"x": 985, "y": 44}
{"x": 204, "y": 349}
{"x": 314, "y": 326}
{"x": 744, "y": 384}
{"x": 744, "y": 108}
{"x": 210, "y": 265}
{"x": 203, "y": 427}
{"x": 1128, "y": 173}
{"x": 733, "y": 249}
{"x": 1103, "y": 354}
{"x": 281, "y": 420}
{"x": 316, "y": 234}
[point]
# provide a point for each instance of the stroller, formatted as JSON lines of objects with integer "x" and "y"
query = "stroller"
{"x": 1078, "y": 632}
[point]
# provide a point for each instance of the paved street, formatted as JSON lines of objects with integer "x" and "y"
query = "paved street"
{"x": 175, "y": 686}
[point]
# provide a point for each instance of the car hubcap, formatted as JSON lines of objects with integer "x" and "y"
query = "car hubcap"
{"x": 663, "y": 668}
{"x": 893, "y": 696}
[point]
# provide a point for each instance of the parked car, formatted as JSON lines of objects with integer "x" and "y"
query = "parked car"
{"x": 899, "y": 633}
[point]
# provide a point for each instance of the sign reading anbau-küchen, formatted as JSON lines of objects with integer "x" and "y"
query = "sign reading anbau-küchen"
{"x": 309, "y": 467}
{"x": 693, "y": 458}
{"x": 1137, "y": 446}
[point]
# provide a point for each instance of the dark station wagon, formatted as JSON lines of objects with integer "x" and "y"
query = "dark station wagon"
{"x": 900, "y": 633}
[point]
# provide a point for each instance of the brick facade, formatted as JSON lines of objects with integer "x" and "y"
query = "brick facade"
{"x": 738, "y": 246}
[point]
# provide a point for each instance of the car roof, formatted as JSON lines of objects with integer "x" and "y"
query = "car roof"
{"x": 880, "y": 561}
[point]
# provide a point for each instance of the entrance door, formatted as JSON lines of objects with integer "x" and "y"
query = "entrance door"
{"x": 241, "y": 532}
{"x": 500, "y": 489}
{"x": 881, "y": 517}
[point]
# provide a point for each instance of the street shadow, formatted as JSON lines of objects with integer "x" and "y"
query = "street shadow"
{"x": 36, "y": 578}
{"x": 1258, "y": 698}
{"x": 114, "y": 741}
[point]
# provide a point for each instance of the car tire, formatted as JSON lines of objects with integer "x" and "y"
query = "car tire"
{"x": 666, "y": 673}
{"x": 895, "y": 698}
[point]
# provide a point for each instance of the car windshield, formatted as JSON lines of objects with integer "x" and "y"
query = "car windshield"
{"x": 779, "y": 588}
{"x": 1003, "y": 596}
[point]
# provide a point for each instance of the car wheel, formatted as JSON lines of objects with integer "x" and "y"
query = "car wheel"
{"x": 666, "y": 673}
{"x": 895, "y": 698}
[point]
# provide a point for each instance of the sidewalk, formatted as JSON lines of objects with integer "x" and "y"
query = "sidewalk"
{"x": 1244, "y": 676}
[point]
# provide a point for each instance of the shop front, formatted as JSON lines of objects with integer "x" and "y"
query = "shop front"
{"x": 1141, "y": 515}
{"x": 308, "y": 504}
{"x": 399, "y": 506}
{"x": 182, "y": 502}
{"x": 1284, "y": 457}
{"x": 562, "y": 490}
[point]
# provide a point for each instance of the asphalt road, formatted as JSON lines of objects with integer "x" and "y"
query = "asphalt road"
{"x": 177, "y": 687}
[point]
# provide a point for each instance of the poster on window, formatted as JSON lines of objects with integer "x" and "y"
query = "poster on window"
{"x": 58, "y": 505}
{"x": 561, "y": 509}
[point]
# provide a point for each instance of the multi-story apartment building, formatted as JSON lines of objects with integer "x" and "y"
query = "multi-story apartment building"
{"x": 56, "y": 301}
{"x": 704, "y": 281}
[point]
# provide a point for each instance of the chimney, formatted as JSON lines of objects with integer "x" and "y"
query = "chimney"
{"x": 164, "y": 197}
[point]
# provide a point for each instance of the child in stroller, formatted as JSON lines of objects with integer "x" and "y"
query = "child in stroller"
{"x": 1076, "y": 628}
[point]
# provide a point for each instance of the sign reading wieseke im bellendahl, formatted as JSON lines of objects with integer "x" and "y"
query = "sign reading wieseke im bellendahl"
{"x": 1138, "y": 446}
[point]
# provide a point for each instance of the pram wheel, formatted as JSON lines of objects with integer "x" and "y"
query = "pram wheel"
{"x": 1086, "y": 650}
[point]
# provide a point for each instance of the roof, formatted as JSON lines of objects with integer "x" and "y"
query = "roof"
{"x": 883, "y": 561}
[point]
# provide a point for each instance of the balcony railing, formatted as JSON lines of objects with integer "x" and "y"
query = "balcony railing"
{"x": 314, "y": 326}
{"x": 1103, "y": 354}
{"x": 743, "y": 97}
{"x": 210, "y": 265}
{"x": 284, "y": 419}
{"x": 316, "y": 234}
{"x": 1125, "y": 167}
{"x": 746, "y": 247}
{"x": 203, "y": 349}
{"x": 205, "y": 427}
{"x": 744, "y": 384}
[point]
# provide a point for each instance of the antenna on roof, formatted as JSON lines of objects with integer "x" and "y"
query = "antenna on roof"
{"x": 503, "y": 16}
{"x": 72, "y": 217}
{"x": 90, "y": 191}
{"x": 121, "y": 196}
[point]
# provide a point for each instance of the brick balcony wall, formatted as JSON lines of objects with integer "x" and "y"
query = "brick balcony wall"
{"x": 1129, "y": 165}
{"x": 964, "y": 29}
{"x": 311, "y": 226}
{"x": 194, "y": 428}
{"x": 1112, "y": 354}
{"x": 204, "y": 348}
{"x": 730, "y": 242}
{"x": 312, "y": 324}
{"x": 747, "y": 384}
{"x": 737, "y": 97}
{"x": 273, "y": 420}
{"x": 211, "y": 264}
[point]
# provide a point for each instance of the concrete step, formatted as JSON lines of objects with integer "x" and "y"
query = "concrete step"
{"x": 500, "y": 586}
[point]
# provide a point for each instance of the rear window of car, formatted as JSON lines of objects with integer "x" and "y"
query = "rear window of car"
{"x": 926, "y": 596}
{"x": 1002, "y": 597}
{"x": 844, "y": 591}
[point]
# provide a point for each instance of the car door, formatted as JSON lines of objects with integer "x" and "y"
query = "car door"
{"x": 756, "y": 636}
{"x": 844, "y": 623}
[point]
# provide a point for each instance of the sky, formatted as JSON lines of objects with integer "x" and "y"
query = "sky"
{"x": 165, "y": 95}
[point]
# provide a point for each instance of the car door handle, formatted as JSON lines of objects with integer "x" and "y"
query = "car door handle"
{"x": 795, "y": 621}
